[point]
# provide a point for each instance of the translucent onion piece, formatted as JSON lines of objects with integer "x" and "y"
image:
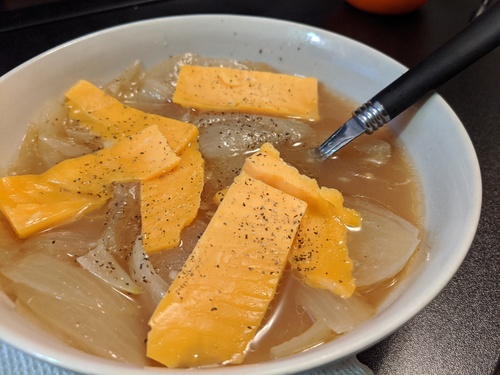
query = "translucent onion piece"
{"x": 224, "y": 135}
{"x": 61, "y": 149}
{"x": 59, "y": 243}
{"x": 28, "y": 160}
{"x": 90, "y": 315}
{"x": 391, "y": 241}
{"x": 48, "y": 142}
{"x": 220, "y": 173}
{"x": 226, "y": 140}
{"x": 27, "y": 313}
{"x": 9, "y": 245}
{"x": 169, "y": 263}
{"x": 144, "y": 274}
{"x": 108, "y": 258}
{"x": 102, "y": 264}
{"x": 45, "y": 273}
{"x": 339, "y": 314}
{"x": 123, "y": 221}
{"x": 83, "y": 136}
{"x": 315, "y": 335}
{"x": 374, "y": 150}
{"x": 54, "y": 144}
{"x": 125, "y": 87}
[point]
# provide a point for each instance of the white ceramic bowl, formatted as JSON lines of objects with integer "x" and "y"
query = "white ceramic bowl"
{"x": 433, "y": 135}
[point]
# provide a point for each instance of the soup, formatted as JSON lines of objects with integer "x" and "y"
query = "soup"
{"x": 373, "y": 173}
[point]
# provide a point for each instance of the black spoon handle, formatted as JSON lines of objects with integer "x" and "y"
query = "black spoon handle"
{"x": 480, "y": 37}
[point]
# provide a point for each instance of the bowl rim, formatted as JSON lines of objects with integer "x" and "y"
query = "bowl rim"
{"x": 78, "y": 361}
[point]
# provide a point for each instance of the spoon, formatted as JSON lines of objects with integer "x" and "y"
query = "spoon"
{"x": 481, "y": 36}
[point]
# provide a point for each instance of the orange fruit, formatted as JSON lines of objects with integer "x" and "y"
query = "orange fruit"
{"x": 387, "y": 6}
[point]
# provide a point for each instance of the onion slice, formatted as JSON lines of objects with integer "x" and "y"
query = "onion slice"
{"x": 315, "y": 335}
{"x": 339, "y": 314}
{"x": 392, "y": 240}
{"x": 144, "y": 274}
{"x": 103, "y": 265}
{"x": 81, "y": 309}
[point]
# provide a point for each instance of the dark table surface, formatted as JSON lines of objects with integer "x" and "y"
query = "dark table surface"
{"x": 459, "y": 331}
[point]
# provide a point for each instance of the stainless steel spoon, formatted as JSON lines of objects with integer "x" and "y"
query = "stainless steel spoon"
{"x": 481, "y": 36}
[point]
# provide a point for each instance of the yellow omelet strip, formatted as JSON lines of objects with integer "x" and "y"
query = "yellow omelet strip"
{"x": 110, "y": 119}
{"x": 319, "y": 252}
{"x": 216, "y": 303}
{"x": 33, "y": 203}
{"x": 233, "y": 90}
{"x": 170, "y": 202}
